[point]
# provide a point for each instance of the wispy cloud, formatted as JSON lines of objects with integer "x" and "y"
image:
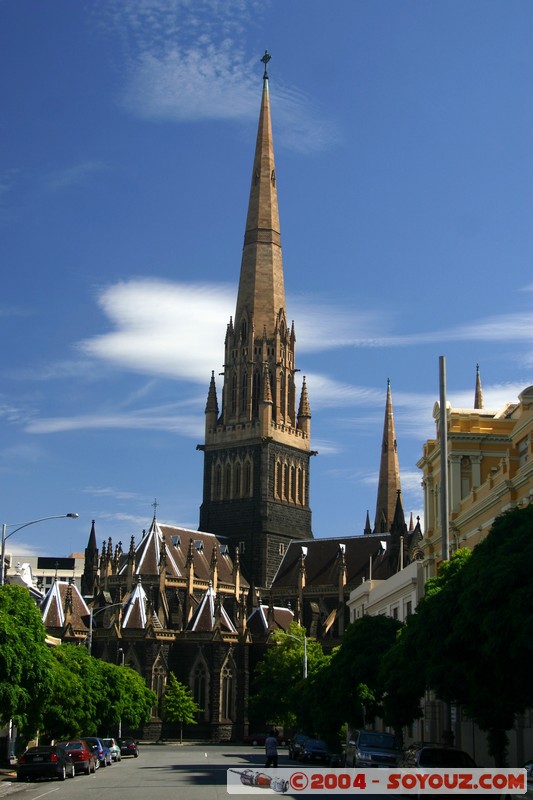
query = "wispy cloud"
{"x": 74, "y": 175}
{"x": 154, "y": 419}
{"x": 109, "y": 491}
{"x": 190, "y": 61}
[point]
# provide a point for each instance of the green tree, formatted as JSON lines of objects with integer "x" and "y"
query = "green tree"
{"x": 356, "y": 669}
{"x": 278, "y": 677}
{"x": 179, "y": 704}
{"x": 90, "y": 696}
{"x": 25, "y": 673}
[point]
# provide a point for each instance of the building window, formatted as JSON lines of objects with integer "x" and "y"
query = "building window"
{"x": 158, "y": 685}
{"x": 218, "y": 482}
{"x": 227, "y": 689}
{"x": 233, "y": 393}
{"x": 281, "y": 549}
{"x": 244, "y": 391}
{"x": 237, "y": 480}
{"x": 247, "y": 479}
{"x": 242, "y": 547}
{"x": 199, "y": 690}
{"x": 227, "y": 481}
{"x": 256, "y": 387}
{"x": 523, "y": 448}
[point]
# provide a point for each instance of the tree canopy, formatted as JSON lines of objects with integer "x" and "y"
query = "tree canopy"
{"x": 25, "y": 661}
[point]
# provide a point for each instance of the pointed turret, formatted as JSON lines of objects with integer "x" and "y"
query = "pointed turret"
{"x": 89, "y": 579}
{"x": 304, "y": 411}
{"x": 478, "y": 396}
{"x": 389, "y": 472}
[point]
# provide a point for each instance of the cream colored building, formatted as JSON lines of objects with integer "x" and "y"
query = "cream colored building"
{"x": 490, "y": 463}
{"x": 490, "y": 470}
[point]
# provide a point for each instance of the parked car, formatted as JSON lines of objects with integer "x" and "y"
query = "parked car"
{"x": 435, "y": 755}
{"x": 129, "y": 747}
{"x": 114, "y": 748}
{"x": 103, "y": 754}
{"x": 426, "y": 755}
{"x": 52, "y": 761}
{"x": 372, "y": 749}
{"x": 315, "y": 750}
{"x": 296, "y": 745}
{"x": 82, "y": 755}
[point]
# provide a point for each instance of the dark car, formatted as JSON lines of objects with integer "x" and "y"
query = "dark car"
{"x": 102, "y": 753}
{"x": 82, "y": 755}
{"x": 315, "y": 750}
{"x": 52, "y": 761}
{"x": 296, "y": 745}
{"x": 372, "y": 749}
{"x": 429, "y": 756}
{"x": 129, "y": 747}
{"x": 436, "y": 755}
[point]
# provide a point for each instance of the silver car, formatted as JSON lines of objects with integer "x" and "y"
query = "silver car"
{"x": 114, "y": 749}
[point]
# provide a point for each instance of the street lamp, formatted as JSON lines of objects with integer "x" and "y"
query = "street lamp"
{"x": 121, "y": 651}
{"x": 93, "y": 613}
{"x": 6, "y": 535}
{"x": 298, "y": 639}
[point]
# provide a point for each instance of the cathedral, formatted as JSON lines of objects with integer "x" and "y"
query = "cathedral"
{"x": 202, "y": 604}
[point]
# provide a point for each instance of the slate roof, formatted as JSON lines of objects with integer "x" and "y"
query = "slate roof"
{"x": 204, "y": 619}
{"x": 322, "y": 560}
{"x": 54, "y": 604}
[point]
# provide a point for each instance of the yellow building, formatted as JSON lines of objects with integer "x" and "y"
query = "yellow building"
{"x": 490, "y": 470}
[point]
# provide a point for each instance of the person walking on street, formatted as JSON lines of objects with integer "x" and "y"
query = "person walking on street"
{"x": 271, "y": 750}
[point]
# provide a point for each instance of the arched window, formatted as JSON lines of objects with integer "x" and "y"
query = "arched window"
{"x": 244, "y": 391}
{"x": 237, "y": 484}
{"x": 227, "y": 692}
{"x": 247, "y": 479}
{"x": 293, "y": 484}
{"x": 159, "y": 680}
{"x": 199, "y": 689}
{"x": 301, "y": 497}
{"x": 256, "y": 388}
{"x": 244, "y": 330}
{"x": 218, "y": 482}
{"x": 282, "y": 399}
{"x": 279, "y": 480}
{"x": 286, "y": 487}
{"x": 234, "y": 393}
{"x": 227, "y": 481}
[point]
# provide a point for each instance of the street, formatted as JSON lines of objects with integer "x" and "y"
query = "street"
{"x": 162, "y": 772}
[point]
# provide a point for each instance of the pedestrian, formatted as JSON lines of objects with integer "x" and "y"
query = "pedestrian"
{"x": 271, "y": 750}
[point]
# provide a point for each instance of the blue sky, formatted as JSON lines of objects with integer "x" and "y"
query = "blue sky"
{"x": 402, "y": 132}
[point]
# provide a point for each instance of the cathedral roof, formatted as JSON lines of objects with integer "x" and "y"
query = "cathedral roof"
{"x": 266, "y": 618}
{"x": 63, "y": 603}
{"x": 321, "y": 559}
{"x": 210, "y": 615}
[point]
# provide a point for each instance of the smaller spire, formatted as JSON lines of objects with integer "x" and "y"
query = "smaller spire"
{"x": 478, "y": 397}
{"x": 368, "y": 526}
{"x": 212, "y": 402}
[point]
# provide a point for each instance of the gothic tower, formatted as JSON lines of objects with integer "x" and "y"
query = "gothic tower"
{"x": 389, "y": 472}
{"x": 257, "y": 449}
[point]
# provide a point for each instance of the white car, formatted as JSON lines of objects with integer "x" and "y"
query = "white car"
{"x": 113, "y": 748}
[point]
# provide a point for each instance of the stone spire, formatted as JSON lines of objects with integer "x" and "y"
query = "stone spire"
{"x": 478, "y": 397}
{"x": 257, "y": 451}
{"x": 389, "y": 472}
{"x": 261, "y": 288}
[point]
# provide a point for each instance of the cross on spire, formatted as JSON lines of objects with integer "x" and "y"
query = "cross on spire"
{"x": 266, "y": 58}
{"x": 154, "y": 506}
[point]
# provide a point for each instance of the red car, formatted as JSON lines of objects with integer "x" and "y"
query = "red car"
{"x": 83, "y": 757}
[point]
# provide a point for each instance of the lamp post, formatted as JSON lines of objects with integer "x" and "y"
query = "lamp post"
{"x": 121, "y": 651}
{"x": 298, "y": 639}
{"x": 18, "y": 527}
{"x": 93, "y": 613}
